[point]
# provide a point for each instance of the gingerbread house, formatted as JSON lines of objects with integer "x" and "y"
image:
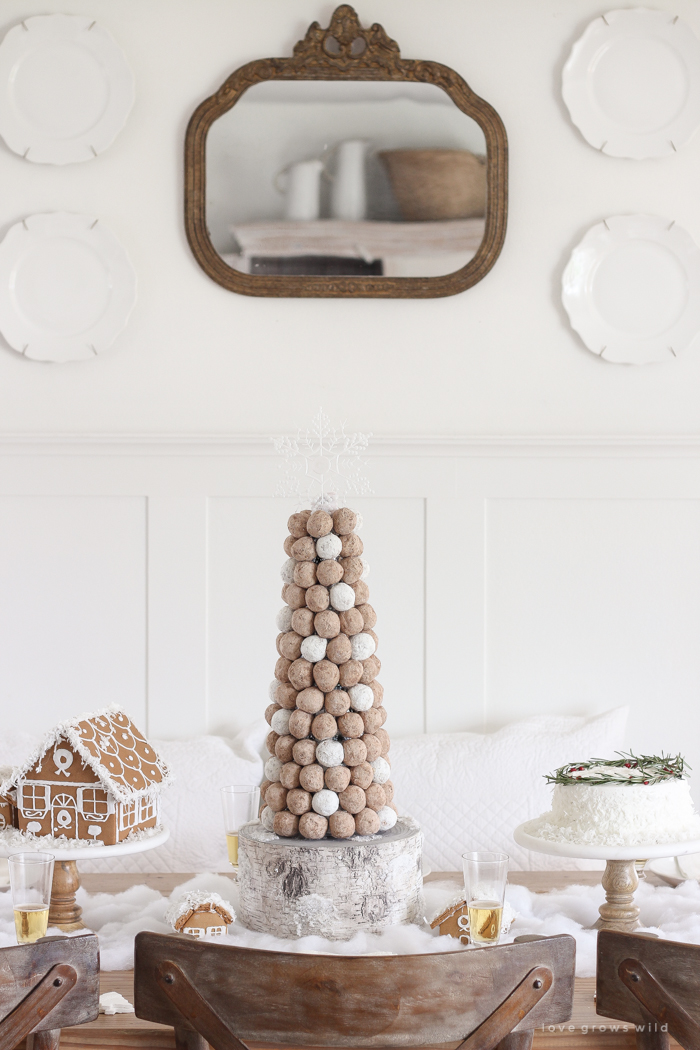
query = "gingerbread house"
{"x": 8, "y": 812}
{"x": 201, "y": 914}
{"x": 95, "y": 778}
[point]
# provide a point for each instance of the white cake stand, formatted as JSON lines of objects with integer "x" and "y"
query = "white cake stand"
{"x": 64, "y": 912}
{"x": 620, "y": 878}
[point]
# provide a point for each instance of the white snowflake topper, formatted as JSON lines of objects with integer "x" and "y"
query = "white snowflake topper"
{"x": 322, "y": 465}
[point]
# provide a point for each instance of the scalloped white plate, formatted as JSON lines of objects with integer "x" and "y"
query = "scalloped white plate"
{"x": 632, "y": 289}
{"x": 644, "y": 851}
{"x": 66, "y": 287}
{"x": 632, "y": 83}
{"x": 66, "y": 89}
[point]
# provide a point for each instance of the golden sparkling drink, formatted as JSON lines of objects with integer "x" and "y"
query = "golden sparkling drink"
{"x": 485, "y": 921}
{"x": 232, "y": 844}
{"x": 31, "y": 922}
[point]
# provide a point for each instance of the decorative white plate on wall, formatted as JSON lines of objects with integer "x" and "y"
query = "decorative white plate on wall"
{"x": 65, "y": 89}
{"x": 632, "y": 289}
{"x": 66, "y": 287}
{"x": 632, "y": 83}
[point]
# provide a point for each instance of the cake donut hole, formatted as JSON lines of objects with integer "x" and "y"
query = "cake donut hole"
{"x": 351, "y": 622}
{"x": 298, "y": 801}
{"x": 361, "y": 592}
{"x": 317, "y": 598}
{"x": 286, "y": 696}
{"x": 329, "y": 572}
{"x": 350, "y": 673}
{"x": 337, "y": 778}
{"x": 303, "y": 622}
{"x": 305, "y": 574}
{"x": 271, "y": 742}
{"x": 367, "y": 822}
{"x": 355, "y": 752}
{"x": 290, "y": 645}
{"x": 388, "y": 791}
{"x": 276, "y": 797}
{"x": 344, "y": 521}
{"x": 313, "y": 826}
{"x": 370, "y": 669}
{"x": 352, "y": 570}
{"x": 282, "y": 669}
{"x": 278, "y": 640}
{"x": 300, "y": 724}
{"x": 314, "y": 648}
{"x": 337, "y": 702}
{"x": 352, "y": 799}
{"x": 304, "y": 752}
{"x": 301, "y": 674}
{"x": 362, "y": 775}
{"x": 351, "y": 724}
{"x": 288, "y": 544}
{"x": 383, "y": 738}
{"x": 280, "y": 722}
{"x": 373, "y": 746}
{"x": 324, "y": 726}
{"x": 319, "y": 524}
{"x": 297, "y": 523}
{"x": 339, "y": 649}
{"x": 270, "y": 710}
{"x": 329, "y": 753}
{"x": 311, "y": 778}
{"x": 341, "y": 825}
{"x": 294, "y": 595}
{"x": 310, "y": 700}
{"x": 285, "y": 824}
{"x": 378, "y": 691}
{"x": 371, "y": 720}
{"x": 289, "y": 775}
{"x": 328, "y": 546}
{"x": 376, "y": 797}
{"x": 283, "y": 748}
{"x": 325, "y": 674}
{"x": 304, "y": 549}
{"x": 342, "y": 596}
{"x": 369, "y": 616}
{"x": 327, "y": 624}
{"x": 351, "y": 546}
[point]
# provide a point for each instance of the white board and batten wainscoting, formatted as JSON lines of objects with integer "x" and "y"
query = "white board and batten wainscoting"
{"x": 511, "y": 577}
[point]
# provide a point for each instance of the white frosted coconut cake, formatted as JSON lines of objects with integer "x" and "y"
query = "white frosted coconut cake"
{"x": 619, "y": 802}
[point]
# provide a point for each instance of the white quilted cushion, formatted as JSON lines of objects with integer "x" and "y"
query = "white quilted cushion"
{"x": 469, "y": 791}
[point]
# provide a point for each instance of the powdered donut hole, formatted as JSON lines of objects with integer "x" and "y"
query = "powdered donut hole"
{"x": 267, "y": 818}
{"x": 286, "y": 696}
{"x": 305, "y": 574}
{"x": 304, "y": 549}
{"x": 287, "y": 571}
{"x": 303, "y": 622}
{"x": 329, "y": 572}
{"x": 288, "y": 543}
{"x": 300, "y": 724}
{"x": 337, "y": 778}
{"x": 351, "y": 724}
{"x": 289, "y": 775}
{"x": 327, "y": 624}
{"x": 324, "y": 727}
{"x": 301, "y": 674}
{"x": 297, "y": 523}
{"x": 317, "y": 598}
{"x": 368, "y": 614}
{"x": 361, "y": 697}
{"x": 294, "y": 595}
{"x": 342, "y": 597}
{"x": 350, "y": 673}
{"x": 378, "y": 691}
{"x": 280, "y": 722}
{"x": 311, "y": 778}
{"x": 325, "y": 802}
{"x": 313, "y": 648}
{"x": 337, "y": 702}
{"x": 351, "y": 546}
{"x": 362, "y": 775}
{"x": 344, "y": 521}
{"x": 290, "y": 645}
{"x": 310, "y": 700}
{"x": 387, "y": 818}
{"x": 281, "y": 669}
{"x": 354, "y": 752}
{"x": 319, "y": 524}
{"x": 352, "y": 799}
{"x": 283, "y": 620}
{"x": 276, "y": 797}
{"x": 339, "y": 649}
{"x": 352, "y": 570}
{"x": 271, "y": 741}
{"x": 298, "y": 801}
{"x": 382, "y": 770}
{"x": 370, "y": 633}
{"x": 351, "y": 622}
{"x": 283, "y": 748}
{"x": 361, "y": 592}
{"x": 367, "y": 822}
{"x": 304, "y": 752}
{"x": 388, "y": 791}
{"x": 325, "y": 675}
{"x": 272, "y": 690}
{"x": 285, "y": 824}
{"x": 370, "y": 669}
{"x": 270, "y": 711}
{"x": 375, "y": 796}
{"x": 341, "y": 825}
{"x": 372, "y": 720}
{"x": 372, "y": 745}
{"x": 383, "y": 738}
{"x": 328, "y": 546}
{"x": 328, "y": 753}
{"x": 313, "y": 826}
{"x": 363, "y": 646}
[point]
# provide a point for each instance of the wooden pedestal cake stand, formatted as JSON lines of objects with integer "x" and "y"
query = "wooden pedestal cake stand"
{"x": 620, "y": 878}
{"x": 64, "y": 912}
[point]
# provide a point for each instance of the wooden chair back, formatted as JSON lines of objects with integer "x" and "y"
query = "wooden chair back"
{"x": 46, "y": 986}
{"x": 229, "y": 995}
{"x": 652, "y": 984}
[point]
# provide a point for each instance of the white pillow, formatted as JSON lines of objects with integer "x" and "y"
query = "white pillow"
{"x": 469, "y": 791}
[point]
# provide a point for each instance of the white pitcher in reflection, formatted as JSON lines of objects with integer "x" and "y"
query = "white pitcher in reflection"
{"x": 349, "y": 189}
{"x": 301, "y": 185}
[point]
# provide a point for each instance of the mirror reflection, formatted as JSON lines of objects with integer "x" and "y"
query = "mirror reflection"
{"x": 354, "y": 178}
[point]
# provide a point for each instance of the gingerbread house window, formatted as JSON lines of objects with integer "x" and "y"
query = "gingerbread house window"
{"x": 137, "y": 812}
{"x": 94, "y": 804}
{"x": 127, "y": 817}
{"x": 35, "y": 800}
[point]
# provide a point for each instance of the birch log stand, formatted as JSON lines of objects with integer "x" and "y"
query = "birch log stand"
{"x": 329, "y": 887}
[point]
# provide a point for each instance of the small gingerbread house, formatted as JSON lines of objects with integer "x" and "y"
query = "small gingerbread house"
{"x": 8, "y": 812}
{"x": 453, "y": 921}
{"x": 201, "y": 914}
{"x": 95, "y": 778}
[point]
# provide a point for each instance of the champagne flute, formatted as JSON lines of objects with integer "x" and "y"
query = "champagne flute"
{"x": 485, "y": 877}
{"x": 240, "y": 805}
{"x": 30, "y": 878}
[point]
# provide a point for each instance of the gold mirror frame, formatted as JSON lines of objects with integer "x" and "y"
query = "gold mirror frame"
{"x": 346, "y": 51}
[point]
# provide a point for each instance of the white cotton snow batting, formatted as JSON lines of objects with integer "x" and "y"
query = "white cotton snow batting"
{"x": 287, "y": 570}
{"x": 267, "y": 819}
{"x": 313, "y": 648}
{"x": 362, "y": 646}
{"x": 325, "y": 802}
{"x": 283, "y": 620}
{"x": 329, "y": 546}
{"x": 329, "y": 753}
{"x": 361, "y": 697}
{"x": 272, "y": 690}
{"x": 382, "y": 770}
{"x": 280, "y": 722}
{"x": 387, "y": 818}
{"x": 272, "y": 769}
{"x": 342, "y": 597}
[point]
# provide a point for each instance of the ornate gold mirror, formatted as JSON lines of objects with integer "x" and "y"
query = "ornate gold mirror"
{"x": 346, "y": 171}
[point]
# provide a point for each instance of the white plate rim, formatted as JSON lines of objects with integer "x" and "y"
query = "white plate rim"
{"x": 43, "y": 345}
{"x": 597, "y": 128}
{"x": 28, "y": 141}
{"x": 643, "y": 851}
{"x": 92, "y": 852}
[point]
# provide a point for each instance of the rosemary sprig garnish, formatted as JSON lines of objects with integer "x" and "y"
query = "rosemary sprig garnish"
{"x": 627, "y": 769}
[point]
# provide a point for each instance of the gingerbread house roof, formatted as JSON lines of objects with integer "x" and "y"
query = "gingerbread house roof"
{"x": 197, "y": 900}
{"x": 109, "y": 743}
